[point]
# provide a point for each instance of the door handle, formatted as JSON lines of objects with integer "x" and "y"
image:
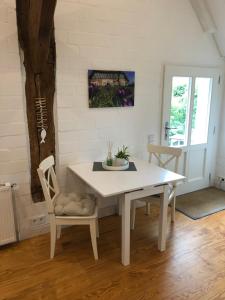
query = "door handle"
{"x": 167, "y": 128}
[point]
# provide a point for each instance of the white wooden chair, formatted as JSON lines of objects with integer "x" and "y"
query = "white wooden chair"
{"x": 51, "y": 192}
{"x": 172, "y": 154}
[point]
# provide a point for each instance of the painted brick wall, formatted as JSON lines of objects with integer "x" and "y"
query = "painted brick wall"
{"x": 120, "y": 35}
{"x": 138, "y": 35}
{"x": 14, "y": 162}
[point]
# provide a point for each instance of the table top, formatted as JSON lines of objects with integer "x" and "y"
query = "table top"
{"x": 110, "y": 183}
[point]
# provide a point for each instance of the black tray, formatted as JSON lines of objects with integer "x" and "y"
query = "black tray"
{"x": 97, "y": 166}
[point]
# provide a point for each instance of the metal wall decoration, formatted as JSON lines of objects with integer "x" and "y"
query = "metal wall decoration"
{"x": 41, "y": 114}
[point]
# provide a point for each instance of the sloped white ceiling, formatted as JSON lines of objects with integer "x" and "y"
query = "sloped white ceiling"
{"x": 217, "y": 10}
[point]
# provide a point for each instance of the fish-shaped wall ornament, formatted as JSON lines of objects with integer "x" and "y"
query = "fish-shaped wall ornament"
{"x": 41, "y": 113}
{"x": 43, "y": 135}
{"x": 41, "y": 116}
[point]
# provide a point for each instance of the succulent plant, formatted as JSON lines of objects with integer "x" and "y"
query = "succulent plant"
{"x": 123, "y": 153}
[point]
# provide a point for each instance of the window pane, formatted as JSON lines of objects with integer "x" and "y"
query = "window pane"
{"x": 200, "y": 113}
{"x": 180, "y": 100}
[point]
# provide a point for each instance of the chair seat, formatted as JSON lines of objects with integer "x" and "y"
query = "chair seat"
{"x": 75, "y": 205}
{"x": 65, "y": 217}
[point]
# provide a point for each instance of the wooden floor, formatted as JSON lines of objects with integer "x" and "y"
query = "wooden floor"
{"x": 192, "y": 267}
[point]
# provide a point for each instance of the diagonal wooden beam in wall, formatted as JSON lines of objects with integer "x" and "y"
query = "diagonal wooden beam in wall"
{"x": 35, "y": 22}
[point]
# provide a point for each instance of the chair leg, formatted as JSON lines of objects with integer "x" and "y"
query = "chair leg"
{"x": 59, "y": 229}
{"x": 53, "y": 236}
{"x": 173, "y": 209}
{"x": 147, "y": 208}
{"x": 133, "y": 214}
{"x": 97, "y": 228}
{"x": 93, "y": 238}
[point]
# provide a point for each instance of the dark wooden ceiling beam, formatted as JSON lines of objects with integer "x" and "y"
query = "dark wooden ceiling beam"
{"x": 35, "y": 22}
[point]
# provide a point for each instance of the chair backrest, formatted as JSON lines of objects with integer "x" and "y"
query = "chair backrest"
{"x": 170, "y": 152}
{"x": 48, "y": 182}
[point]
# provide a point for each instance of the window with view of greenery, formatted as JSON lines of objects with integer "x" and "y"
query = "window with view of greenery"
{"x": 178, "y": 113}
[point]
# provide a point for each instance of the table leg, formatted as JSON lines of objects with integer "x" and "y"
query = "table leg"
{"x": 163, "y": 220}
{"x": 125, "y": 255}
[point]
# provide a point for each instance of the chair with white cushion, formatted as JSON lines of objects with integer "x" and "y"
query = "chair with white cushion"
{"x": 170, "y": 154}
{"x": 66, "y": 210}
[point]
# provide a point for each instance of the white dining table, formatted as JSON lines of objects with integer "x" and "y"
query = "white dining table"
{"x": 149, "y": 179}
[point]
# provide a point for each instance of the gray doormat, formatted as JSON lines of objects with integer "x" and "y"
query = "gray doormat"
{"x": 97, "y": 166}
{"x": 201, "y": 203}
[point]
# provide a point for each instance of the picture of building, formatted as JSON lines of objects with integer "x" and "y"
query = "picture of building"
{"x": 111, "y": 88}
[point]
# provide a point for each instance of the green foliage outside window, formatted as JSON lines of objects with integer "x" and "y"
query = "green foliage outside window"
{"x": 179, "y": 110}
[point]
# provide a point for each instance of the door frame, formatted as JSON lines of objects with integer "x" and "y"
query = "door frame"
{"x": 214, "y": 116}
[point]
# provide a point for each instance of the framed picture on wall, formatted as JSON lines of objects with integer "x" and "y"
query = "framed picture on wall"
{"x": 111, "y": 88}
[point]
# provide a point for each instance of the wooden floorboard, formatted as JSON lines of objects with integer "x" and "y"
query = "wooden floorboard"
{"x": 192, "y": 267}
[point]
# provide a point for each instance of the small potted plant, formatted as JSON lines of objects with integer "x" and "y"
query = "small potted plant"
{"x": 122, "y": 157}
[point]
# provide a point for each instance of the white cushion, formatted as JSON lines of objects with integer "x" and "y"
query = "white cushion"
{"x": 75, "y": 204}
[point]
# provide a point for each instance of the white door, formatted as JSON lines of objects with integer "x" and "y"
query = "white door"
{"x": 191, "y": 111}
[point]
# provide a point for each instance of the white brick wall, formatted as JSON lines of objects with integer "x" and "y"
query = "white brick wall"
{"x": 138, "y": 35}
{"x": 14, "y": 163}
{"x": 120, "y": 35}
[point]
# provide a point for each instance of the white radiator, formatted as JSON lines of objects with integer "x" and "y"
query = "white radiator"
{"x": 7, "y": 221}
